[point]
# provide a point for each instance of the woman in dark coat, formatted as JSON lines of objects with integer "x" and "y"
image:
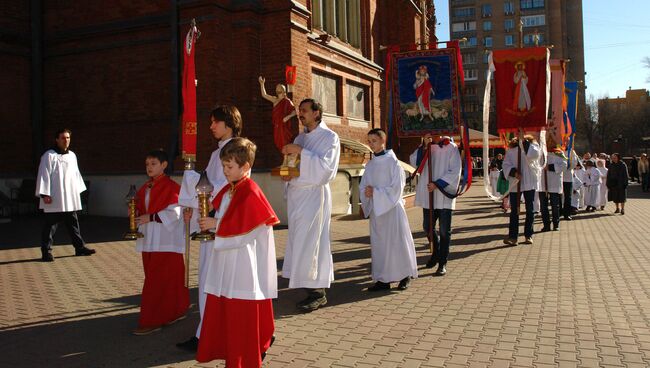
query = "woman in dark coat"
{"x": 617, "y": 183}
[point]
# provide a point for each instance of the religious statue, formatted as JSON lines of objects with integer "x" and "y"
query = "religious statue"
{"x": 284, "y": 114}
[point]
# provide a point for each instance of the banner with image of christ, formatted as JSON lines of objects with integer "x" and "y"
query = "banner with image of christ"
{"x": 425, "y": 92}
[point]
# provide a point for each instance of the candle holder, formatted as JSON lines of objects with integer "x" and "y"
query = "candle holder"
{"x": 133, "y": 232}
{"x": 203, "y": 190}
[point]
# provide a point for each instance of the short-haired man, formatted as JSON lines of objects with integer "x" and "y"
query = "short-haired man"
{"x": 59, "y": 185}
{"x": 308, "y": 257}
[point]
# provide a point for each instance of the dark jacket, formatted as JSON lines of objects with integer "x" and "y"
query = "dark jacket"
{"x": 617, "y": 176}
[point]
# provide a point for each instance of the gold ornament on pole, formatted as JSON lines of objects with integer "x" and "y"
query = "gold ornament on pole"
{"x": 203, "y": 189}
{"x": 133, "y": 232}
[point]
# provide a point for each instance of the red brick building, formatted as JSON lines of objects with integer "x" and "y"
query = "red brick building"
{"x": 110, "y": 71}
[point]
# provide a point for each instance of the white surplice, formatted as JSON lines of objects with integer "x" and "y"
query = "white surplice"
{"x": 391, "y": 241}
{"x": 603, "y": 186}
{"x": 530, "y": 168}
{"x": 554, "y": 179}
{"x": 446, "y": 167}
{"x": 576, "y": 186}
{"x": 168, "y": 236}
{"x": 308, "y": 258}
{"x": 59, "y": 178}
{"x": 188, "y": 198}
{"x": 592, "y": 187}
{"x": 243, "y": 266}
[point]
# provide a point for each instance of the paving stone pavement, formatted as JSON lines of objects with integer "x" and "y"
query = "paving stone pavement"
{"x": 579, "y": 297}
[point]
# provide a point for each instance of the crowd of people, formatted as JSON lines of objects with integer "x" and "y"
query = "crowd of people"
{"x": 543, "y": 178}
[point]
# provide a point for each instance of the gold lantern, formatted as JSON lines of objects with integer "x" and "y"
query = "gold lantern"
{"x": 133, "y": 232}
{"x": 203, "y": 190}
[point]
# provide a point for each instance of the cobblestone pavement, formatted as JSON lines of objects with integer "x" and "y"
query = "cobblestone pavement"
{"x": 577, "y": 297}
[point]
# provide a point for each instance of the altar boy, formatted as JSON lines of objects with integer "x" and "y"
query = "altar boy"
{"x": 241, "y": 272}
{"x": 165, "y": 298}
{"x": 391, "y": 242}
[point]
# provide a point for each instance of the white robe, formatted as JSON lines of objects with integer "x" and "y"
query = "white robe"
{"x": 59, "y": 178}
{"x": 308, "y": 258}
{"x": 391, "y": 241}
{"x": 188, "y": 198}
{"x": 494, "y": 179}
{"x": 168, "y": 236}
{"x": 530, "y": 168}
{"x": 603, "y": 186}
{"x": 592, "y": 187}
{"x": 581, "y": 174}
{"x": 243, "y": 266}
{"x": 446, "y": 166}
{"x": 554, "y": 179}
{"x": 577, "y": 189}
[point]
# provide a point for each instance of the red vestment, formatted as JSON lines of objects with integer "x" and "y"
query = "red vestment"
{"x": 282, "y": 134}
{"x": 238, "y": 330}
{"x": 424, "y": 91}
{"x": 164, "y": 295}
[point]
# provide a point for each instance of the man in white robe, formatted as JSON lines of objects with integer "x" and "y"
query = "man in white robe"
{"x": 446, "y": 168}
{"x": 59, "y": 185}
{"x": 226, "y": 123}
{"x": 551, "y": 188}
{"x": 308, "y": 258}
{"x": 391, "y": 241}
{"x": 528, "y": 176}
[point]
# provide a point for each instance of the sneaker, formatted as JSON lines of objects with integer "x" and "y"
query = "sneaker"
{"x": 556, "y": 227}
{"x": 510, "y": 241}
{"x": 441, "y": 271}
{"x": 404, "y": 284}
{"x": 379, "y": 286}
{"x": 47, "y": 257}
{"x": 191, "y": 345}
{"x": 141, "y": 331}
{"x": 84, "y": 251}
{"x": 529, "y": 241}
{"x": 314, "y": 304}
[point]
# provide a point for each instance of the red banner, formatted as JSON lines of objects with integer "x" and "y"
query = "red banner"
{"x": 189, "y": 96}
{"x": 290, "y": 74}
{"x": 522, "y": 80}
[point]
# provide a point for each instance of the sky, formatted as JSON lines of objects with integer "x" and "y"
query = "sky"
{"x": 616, "y": 36}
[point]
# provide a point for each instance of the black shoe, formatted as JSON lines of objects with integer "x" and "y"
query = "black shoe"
{"x": 545, "y": 229}
{"x": 441, "y": 271}
{"x": 404, "y": 284}
{"x": 83, "y": 251}
{"x": 568, "y": 218}
{"x": 617, "y": 211}
{"x": 622, "y": 212}
{"x": 314, "y": 304}
{"x": 47, "y": 257}
{"x": 431, "y": 262}
{"x": 191, "y": 345}
{"x": 379, "y": 286}
{"x": 556, "y": 227}
{"x": 271, "y": 344}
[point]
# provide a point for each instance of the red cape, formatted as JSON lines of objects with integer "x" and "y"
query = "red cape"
{"x": 164, "y": 192}
{"x": 247, "y": 210}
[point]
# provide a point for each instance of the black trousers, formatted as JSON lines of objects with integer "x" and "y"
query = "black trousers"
{"x": 52, "y": 221}
{"x": 567, "y": 189}
{"x": 555, "y": 208}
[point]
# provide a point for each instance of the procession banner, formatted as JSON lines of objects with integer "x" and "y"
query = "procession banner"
{"x": 571, "y": 92}
{"x": 425, "y": 92}
{"x": 557, "y": 129}
{"x": 189, "y": 96}
{"x": 522, "y": 83}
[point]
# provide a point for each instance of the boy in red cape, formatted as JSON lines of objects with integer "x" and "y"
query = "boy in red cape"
{"x": 242, "y": 275}
{"x": 165, "y": 298}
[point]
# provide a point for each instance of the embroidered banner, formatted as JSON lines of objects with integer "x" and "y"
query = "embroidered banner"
{"x": 189, "y": 96}
{"x": 425, "y": 92}
{"x": 522, "y": 82}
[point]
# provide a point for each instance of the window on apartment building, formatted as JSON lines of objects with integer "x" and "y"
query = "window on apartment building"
{"x": 509, "y": 8}
{"x": 340, "y": 18}
{"x": 509, "y": 40}
{"x": 470, "y": 90}
{"x": 529, "y": 39}
{"x": 464, "y": 12}
{"x": 509, "y": 24}
{"x": 471, "y": 74}
{"x": 325, "y": 88}
{"x": 463, "y": 26}
{"x": 469, "y": 58}
{"x": 486, "y": 10}
{"x": 487, "y": 41}
{"x": 355, "y": 101}
{"x": 471, "y": 42}
{"x": 487, "y": 25}
{"x": 531, "y": 4}
{"x": 534, "y": 20}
